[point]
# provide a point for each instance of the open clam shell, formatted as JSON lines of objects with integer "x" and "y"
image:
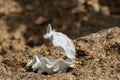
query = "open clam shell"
{"x": 50, "y": 65}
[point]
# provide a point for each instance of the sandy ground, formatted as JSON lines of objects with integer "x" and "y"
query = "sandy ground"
{"x": 93, "y": 26}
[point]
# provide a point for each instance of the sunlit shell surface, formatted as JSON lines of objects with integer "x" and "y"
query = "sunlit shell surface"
{"x": 61, "y": 41}
{"x": 50, "y": 65}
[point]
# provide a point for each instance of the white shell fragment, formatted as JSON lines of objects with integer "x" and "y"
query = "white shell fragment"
{"x": 50, "y": 65}
{"x": 62, "y": 41}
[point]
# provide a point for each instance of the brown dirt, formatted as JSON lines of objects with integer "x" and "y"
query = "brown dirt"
{"x": 93, "y": 25}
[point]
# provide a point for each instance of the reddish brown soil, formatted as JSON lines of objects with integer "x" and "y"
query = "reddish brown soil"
{"x": 93, "y": 25}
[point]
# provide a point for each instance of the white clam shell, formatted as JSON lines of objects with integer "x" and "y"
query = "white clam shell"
{"x": 50, "y": 65}
{"x": 62, "y": 41}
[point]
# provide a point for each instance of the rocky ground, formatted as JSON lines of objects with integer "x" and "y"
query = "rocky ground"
{"x": 93, "y": 25}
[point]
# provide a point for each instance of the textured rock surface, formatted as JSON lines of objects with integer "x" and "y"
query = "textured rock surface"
{"x": 96, "y": 36}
